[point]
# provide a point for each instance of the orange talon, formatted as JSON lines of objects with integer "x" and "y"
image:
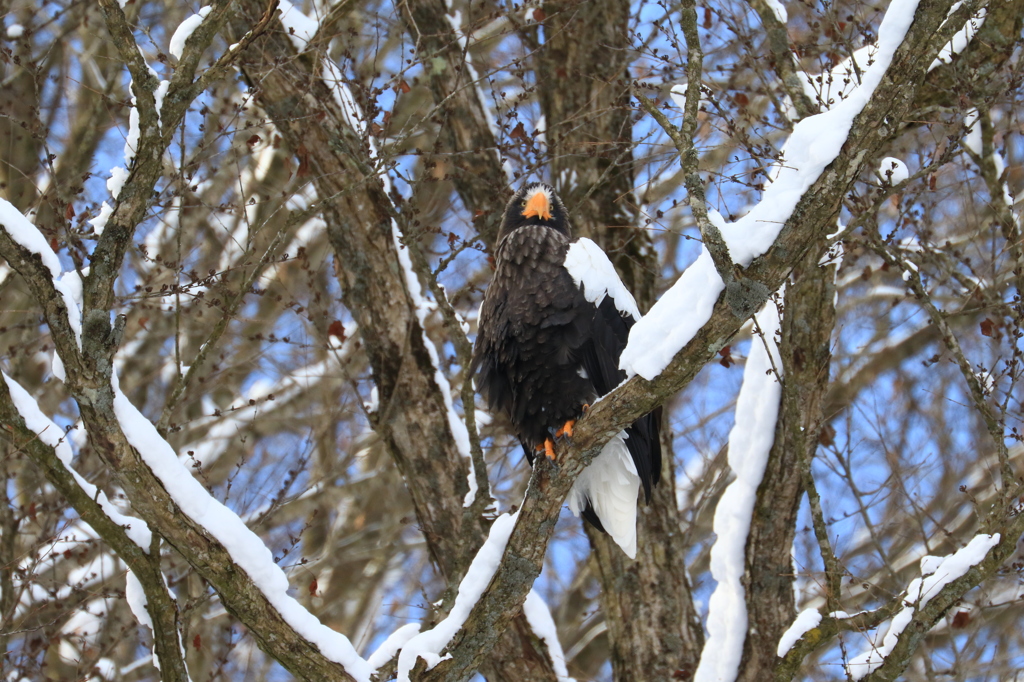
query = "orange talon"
{"x": 549, "y": 449}
{"x": 566, "y": 430}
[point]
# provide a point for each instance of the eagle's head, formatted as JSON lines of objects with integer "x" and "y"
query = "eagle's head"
{"x": 534, "y": 204}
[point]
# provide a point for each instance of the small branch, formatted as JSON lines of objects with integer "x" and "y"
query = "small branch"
{"x": 709, "y": 232}
{"x": 464, "y": 352}
{"x": 993, "y": 422}
{"x": 925, "y": 618}
{"x": 783, "y": 60}
{"x": 833, "y": 569}
{"x": 830, "y": 626}
{"x": 161, "y": 607}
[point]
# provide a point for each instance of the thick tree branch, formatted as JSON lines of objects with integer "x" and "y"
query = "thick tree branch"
{"x": 361, "y": 225}
{"x": 476, "y": 169}
{"x": 159, "y": 603}
{"x": 808, "y": 320}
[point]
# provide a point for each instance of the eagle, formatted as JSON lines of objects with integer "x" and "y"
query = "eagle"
{"x": 552, "y": 325}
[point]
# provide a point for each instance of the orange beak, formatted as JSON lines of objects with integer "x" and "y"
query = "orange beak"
{"x": 538, "y": 206}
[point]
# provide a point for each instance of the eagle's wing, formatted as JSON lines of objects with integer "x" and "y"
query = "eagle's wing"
{"x": 613, "y": 313}
{"x": 616, "y": 314}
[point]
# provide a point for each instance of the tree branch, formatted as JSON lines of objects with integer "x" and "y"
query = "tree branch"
{"x": 161, "y": 606}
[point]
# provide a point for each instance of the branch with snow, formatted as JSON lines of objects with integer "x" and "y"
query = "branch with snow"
{"x": 750, "y": 442}
{"x": 801, "y": 202}
{"x": 161, "y": 488}
{"x": 25, "y": 426}
{"x": 937, "y": 573}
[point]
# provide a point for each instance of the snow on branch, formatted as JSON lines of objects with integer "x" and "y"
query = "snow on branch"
{"x": 185, "y": 30}
{"x": 750, "y": 442}
{"x": 22, "y": 231}
{"x": 428, "y": 645}
{"x": 959, "y": 42}
{"x": 937, "y": 572}
{"x": 804, "y": 623}
{"x": 246, "y": 548}
{"x": 538, "y": 615}
{"x": 302, "y": 29}
{"x": 815, "y": 143}
{"x": 52, "y": 435}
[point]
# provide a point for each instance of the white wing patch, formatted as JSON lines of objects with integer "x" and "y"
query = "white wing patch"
{"x": 590, "y": 268}
{"x": 611, "y": 484}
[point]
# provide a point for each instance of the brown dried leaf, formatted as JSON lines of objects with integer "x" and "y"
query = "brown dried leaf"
{"x": 336, "y": 328}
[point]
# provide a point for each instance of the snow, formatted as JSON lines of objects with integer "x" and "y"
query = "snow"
{"x": 100, "y": 221}
{"x": 390, "y": 646}
{"x": 53, "y": 436}
{"x": 136, "y": 598}
{"x": 131, "y": 143}
{"x": 893, "y": 170}
{"x": 15, "y": 31}
{"x": 779, "y": 10}
{"x": 538, "y": 615}
{"x": 814, "y": 143}
{"x": 678, "y": 95}
{"x": 920, "y": 591}
{"x": 973, "y": 138}
{"x": 247, "y": 550}
{"x": 750, "y": 441}
{"x": 26, "y": 234}
{"x": 428, "y": 645}
{"x": 959, "y": 42}
{"x": 804, "y": 623}
{"x": 185, "y": 29}
{"x": 590, "y": 268}
{"x": 118, "y": 176}
{"x": 158, "y": 98}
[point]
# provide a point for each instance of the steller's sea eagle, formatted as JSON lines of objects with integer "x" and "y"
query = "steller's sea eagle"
{"x": 553, "y": 323}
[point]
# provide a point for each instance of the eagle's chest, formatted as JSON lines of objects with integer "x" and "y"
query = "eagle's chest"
{"x": 531, "y": 290}
{"x": 534, "y": 324}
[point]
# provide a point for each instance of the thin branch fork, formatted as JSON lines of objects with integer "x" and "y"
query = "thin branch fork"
{"x": 709, "y": 232}
{"x": 993, "y": 421}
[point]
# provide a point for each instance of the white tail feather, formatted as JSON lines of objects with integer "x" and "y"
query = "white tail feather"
{"x": 611, "y": 484}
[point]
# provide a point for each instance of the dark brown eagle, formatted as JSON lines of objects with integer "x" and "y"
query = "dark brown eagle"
{"x": 553, "y": 323}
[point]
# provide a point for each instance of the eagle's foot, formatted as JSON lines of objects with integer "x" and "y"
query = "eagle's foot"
{"x": 548, "y": 448}
{"x": 566, "y": 430}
